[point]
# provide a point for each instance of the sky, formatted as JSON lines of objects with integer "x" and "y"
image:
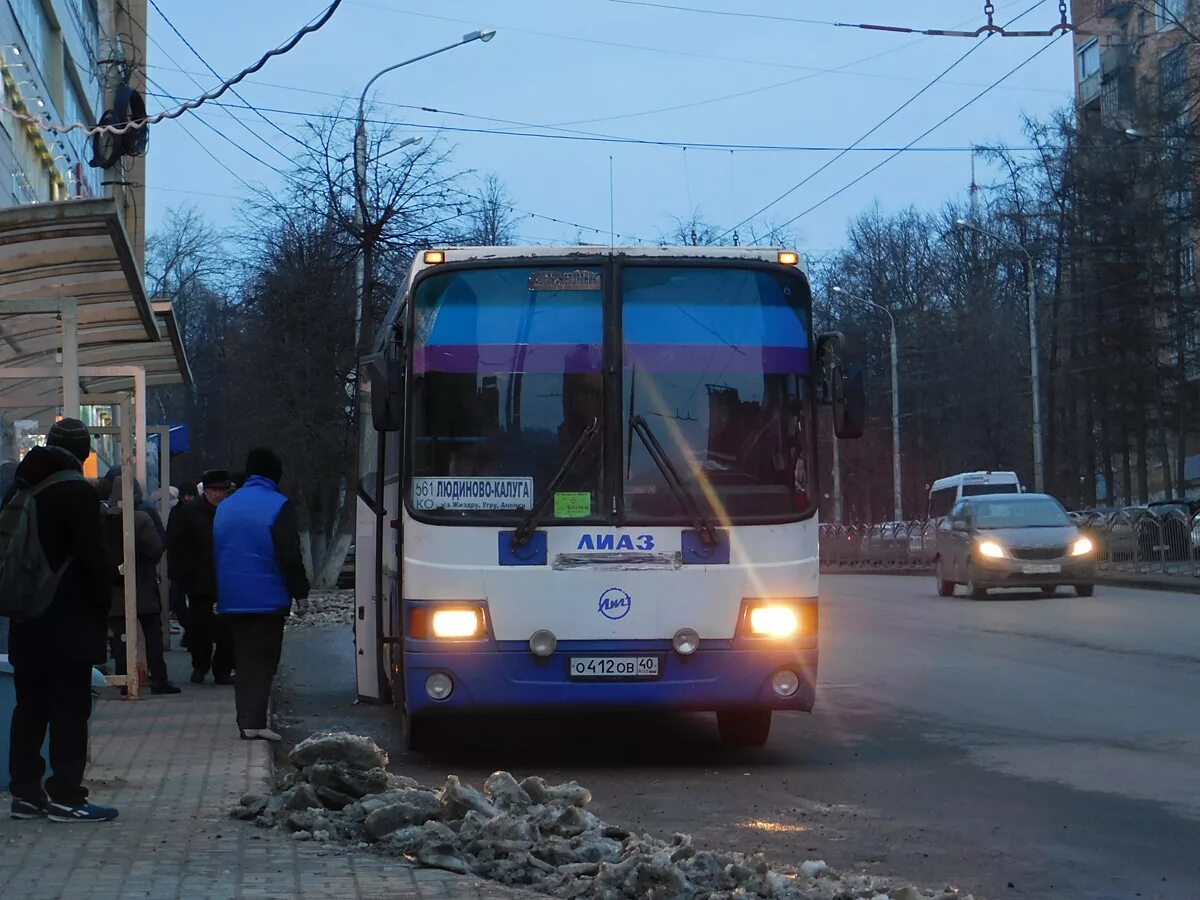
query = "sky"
{"x": 616, "y": 68}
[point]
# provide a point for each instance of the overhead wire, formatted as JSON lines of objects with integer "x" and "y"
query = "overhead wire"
{"x": 43, "y": 122}
{"x": 725, "y": 12}
{"x": 874, "y": 128}
{"x": 605, "y": 138}
{"x": 923, "y": 134}
{"x": 216, "y": 74}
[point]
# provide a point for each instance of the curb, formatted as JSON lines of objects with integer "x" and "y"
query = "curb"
{"x": 1145, "y": 582}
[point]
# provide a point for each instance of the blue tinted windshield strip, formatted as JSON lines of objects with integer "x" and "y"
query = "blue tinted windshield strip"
{"x": 701, "y": 324}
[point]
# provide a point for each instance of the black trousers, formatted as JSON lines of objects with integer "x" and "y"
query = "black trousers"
{"x": 152, "y": 630}
{"x": 57, "y": 696}
{"x": 179, "y": 607}
{"x": 257, "y": 644}
{"x": 209, "y": 630}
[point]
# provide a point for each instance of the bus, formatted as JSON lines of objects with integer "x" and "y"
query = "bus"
{"x": 588, "y": 483}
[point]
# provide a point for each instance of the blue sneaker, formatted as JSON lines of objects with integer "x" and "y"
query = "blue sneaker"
{"x": 79, "y": 812}
{"x": 29, "y": 809}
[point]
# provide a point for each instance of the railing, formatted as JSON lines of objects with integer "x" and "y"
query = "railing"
{"x": 1129, "y": 541}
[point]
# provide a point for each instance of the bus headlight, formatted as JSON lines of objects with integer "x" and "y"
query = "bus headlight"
{"x": 686, "y": 641}
{"x": 452, "y": 624}
{"x": 1082, "y": 547}
{"x": 773, "y": 620}
{"x": 543, "y": 643}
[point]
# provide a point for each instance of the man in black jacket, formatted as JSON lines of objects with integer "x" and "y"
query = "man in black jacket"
{"x": 52, "y": 655}
{"x": 190, "y": 559}
{"x": 179, "y": 606}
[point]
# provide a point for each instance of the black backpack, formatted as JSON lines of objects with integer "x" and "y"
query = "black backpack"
{"x": 27, "y": 581}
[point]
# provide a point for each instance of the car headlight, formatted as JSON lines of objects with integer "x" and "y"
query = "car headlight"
{"x": 1082, "y": 547}
{"x": 991, "y": 550}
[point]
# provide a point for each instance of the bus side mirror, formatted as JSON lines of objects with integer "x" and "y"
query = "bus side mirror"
{"x": 841, "y": 386}
{"x": 387, "y": 392}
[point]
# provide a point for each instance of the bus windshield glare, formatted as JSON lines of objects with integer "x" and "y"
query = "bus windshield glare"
{"x": 508, "y": 374}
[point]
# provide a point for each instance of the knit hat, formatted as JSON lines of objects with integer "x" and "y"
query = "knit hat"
{"x": 72, "y": 435}
{"x": 265, "y": 463}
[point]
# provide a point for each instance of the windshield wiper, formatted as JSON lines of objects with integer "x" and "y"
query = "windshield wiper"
{"x": 530, "y": 523}
{"x": 687, "y": 500}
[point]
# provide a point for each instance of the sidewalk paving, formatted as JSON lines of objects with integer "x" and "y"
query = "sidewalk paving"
{"x": 175, "y": 766}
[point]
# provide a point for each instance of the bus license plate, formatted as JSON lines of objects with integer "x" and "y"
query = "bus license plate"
{"x": 613, "y": 667}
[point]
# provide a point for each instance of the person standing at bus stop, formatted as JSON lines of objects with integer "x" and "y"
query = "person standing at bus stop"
{"x": 260, "y": 570}
{"x": 179, "y": 606}
{"x": 191, "y": 561}
{"x": 52, "y": 653}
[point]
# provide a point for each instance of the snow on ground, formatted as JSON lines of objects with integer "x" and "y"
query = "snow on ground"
{"x": 524, "y": 833}
{"x": 323, "y": 609}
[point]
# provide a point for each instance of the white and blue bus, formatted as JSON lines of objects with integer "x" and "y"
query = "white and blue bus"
{"x": 598, "y": 485}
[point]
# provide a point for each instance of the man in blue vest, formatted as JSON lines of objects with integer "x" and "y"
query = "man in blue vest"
{"x": 260, "y": 571}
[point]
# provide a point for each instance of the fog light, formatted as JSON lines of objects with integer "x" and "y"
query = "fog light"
{"x": 439, "y": 686}
{"x": 686, "y": 641}
{"x": 785, "y": 683}
{"x": 543, "y": 643}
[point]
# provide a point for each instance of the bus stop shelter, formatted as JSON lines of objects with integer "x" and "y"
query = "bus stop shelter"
{"x": 80, "y": 338}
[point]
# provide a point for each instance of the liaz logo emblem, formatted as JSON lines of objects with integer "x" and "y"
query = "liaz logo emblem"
{"x": 612, "y": 542}
{"x": 615, "y": 604}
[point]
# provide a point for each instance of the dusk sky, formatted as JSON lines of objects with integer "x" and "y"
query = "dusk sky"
{"x": 760, "y": 74}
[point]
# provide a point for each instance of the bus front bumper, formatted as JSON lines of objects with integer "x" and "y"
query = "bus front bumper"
{"x": 516, "y": 680}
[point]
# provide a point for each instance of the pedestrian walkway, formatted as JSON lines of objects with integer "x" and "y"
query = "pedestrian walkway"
{"x": 175, "y": 766}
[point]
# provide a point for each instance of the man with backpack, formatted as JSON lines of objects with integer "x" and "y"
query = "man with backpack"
{"x": 55, "y": 579}
{"x": 148, "y": 550}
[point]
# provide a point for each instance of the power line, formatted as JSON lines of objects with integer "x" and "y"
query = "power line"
{"x": 213, "y": 128}
{"x": 903, "y": 106}
{"x": 609, "y": 139}
{"x": 722, "y": 12}
{"x": 923, "y": 135}
{"x": 216, "y": 74}
{"x": 200, "y": 118}
{"x": 45, "y": 124}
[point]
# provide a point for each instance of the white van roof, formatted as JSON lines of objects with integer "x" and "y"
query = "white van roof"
{"x": 976, "y": 478}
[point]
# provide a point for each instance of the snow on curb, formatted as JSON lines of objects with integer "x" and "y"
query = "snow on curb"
{"x": 323, "y": 609}
{"x": 525, "y": 833}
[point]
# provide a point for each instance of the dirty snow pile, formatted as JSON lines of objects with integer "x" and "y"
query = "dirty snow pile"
{"x": 323, "y": 609}
{"x": 523, "y": 833}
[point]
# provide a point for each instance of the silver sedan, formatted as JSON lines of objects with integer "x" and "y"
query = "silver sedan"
{"x": 1012, "y": 540}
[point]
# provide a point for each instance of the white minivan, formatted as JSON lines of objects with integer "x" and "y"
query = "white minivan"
{"x": 946, "y": 492}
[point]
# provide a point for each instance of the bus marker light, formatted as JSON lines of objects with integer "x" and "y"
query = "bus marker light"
{"x": 785, "y": 683}
{"x": 686, "y": 641}
{"x": 543, "y": 643}
{"x": 439, "y": 686}
{"x": 774, "y": 621}
{"x": 456, "y": 623}
{"x": 434, "y": 257}
{"x": 789, "y": 258}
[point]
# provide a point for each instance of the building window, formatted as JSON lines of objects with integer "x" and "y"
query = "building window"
{"x": 36, "y": 28}
{"x": 1170, "y": 13}
{"x": 1089, "y": 60}
{"x": 1187, "y": 265}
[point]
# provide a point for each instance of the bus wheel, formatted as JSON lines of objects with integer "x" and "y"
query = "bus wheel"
{"x": 749, "y": 728}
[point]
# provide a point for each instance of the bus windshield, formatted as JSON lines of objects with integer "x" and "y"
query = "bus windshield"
{"x": 716, "y": 362}
{"x": 507, "y": 375}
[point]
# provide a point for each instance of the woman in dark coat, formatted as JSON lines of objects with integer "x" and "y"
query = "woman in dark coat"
{"x": 148, "y": 551}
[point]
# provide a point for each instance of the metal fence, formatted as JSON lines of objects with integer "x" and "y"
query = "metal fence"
{"x": 1128, "y": 541}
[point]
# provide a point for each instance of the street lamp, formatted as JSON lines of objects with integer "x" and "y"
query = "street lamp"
{"x": 360, "y": 165}
{"x": 1039, "y": 477}
{"x": 897, "y": 496}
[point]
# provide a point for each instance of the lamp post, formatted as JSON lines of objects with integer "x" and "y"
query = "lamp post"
{"x": 1039, "y": 474}
{"x": 897, "y": 494}
{"x": 360, "y": 169}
